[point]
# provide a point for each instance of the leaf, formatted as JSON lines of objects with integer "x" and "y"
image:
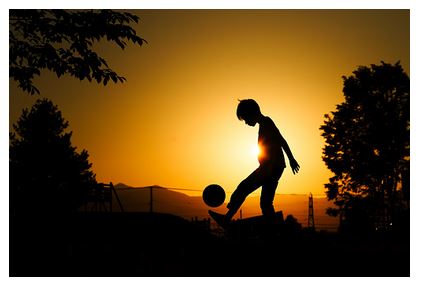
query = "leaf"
{"x": 114, "y": 78}
{"x": 106, "y": 79}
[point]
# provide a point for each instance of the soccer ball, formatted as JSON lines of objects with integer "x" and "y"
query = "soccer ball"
{"x": 213, "y": 195}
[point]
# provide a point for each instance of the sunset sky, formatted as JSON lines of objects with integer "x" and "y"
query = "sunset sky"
{"x": 173, "y": 122}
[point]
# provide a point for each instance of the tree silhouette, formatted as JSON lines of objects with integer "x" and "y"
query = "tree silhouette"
{"x": 62, "y": 41}
{"x": 367, "y": 146}
{"x": 46, "y": 172}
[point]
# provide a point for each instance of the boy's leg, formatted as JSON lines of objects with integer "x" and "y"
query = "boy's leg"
{"x": 266, "y": 200}
{"x": 268, "y": 210}
{"x": 267, "y": 196}
{"x": 247, "y": 186}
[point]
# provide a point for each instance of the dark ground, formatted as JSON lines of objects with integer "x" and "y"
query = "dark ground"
{"x": 143, "y": 244}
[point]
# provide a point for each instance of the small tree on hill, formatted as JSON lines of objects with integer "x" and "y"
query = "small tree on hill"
{"x": 367, "y": 147}
{"x": 46, "y": 171}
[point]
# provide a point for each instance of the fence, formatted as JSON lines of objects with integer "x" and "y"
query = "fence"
{"x": 152, "y": 204}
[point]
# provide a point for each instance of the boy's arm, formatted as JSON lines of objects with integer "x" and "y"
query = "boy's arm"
{"x": 292, "y": 162}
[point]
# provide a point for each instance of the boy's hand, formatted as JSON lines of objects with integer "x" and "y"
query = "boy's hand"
{"x": 294, "y": 166}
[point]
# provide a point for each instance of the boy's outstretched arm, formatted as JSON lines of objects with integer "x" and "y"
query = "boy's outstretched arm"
{"x": 292, "y": 162}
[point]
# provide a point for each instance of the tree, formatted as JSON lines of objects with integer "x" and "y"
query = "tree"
{"x": 62, "y": 41}
{"x": 367, "y": 146}
{"x": 47, "y": 174}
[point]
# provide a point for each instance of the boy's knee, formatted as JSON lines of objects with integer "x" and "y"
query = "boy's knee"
{"x": 266, "y": 207}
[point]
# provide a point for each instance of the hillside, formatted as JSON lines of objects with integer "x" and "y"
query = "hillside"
{"x": 164, "y": 201}
{"x": 156, "y": 244}
{"x": 188, "y": 207}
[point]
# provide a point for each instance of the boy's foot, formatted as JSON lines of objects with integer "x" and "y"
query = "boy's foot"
{"x": 220, "y": 219}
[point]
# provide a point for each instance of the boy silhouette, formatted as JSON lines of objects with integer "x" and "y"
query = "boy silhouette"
{"x": 271, "y": 165}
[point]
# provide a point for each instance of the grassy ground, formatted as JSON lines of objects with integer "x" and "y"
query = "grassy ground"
{"x": 143, "y": 244}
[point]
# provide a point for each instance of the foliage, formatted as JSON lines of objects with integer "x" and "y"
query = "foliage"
{"x": 46, "y": 171}
{"x": 62, "y": 41}
{"x": 367, "y": 141}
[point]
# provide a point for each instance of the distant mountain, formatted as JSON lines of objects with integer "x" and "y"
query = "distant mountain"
{"x": 121, "y": 185}
{"x": 137, "y": 199}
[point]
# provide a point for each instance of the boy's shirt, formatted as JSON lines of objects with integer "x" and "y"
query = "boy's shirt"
{"x": 270, "y": 143}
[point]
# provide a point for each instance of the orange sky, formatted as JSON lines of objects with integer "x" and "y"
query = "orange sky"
{"x": 173, "y": 122}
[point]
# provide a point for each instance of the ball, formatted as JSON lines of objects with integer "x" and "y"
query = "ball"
{"x": 213, "y": 195}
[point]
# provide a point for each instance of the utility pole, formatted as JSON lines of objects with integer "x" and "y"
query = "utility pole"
{"x": 310, "y": 223}
{"x": 151, "y": 199}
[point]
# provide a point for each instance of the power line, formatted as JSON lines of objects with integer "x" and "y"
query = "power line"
{"x": 158, "y": 187}
{"x": 181, "y": 189}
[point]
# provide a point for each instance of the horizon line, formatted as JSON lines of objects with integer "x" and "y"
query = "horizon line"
{"x": 315, "y": 195}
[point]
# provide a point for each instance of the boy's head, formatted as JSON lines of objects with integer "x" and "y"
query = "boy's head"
{"x": 249, "y": 111}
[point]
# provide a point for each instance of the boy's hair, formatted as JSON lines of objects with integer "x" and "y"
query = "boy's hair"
{"x": 247, "y": 108}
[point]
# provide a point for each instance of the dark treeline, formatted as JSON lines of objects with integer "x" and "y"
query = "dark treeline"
{"x": 367, "y": 149}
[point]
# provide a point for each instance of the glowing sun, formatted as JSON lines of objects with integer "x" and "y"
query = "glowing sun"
{"x": 255, "y": 150}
